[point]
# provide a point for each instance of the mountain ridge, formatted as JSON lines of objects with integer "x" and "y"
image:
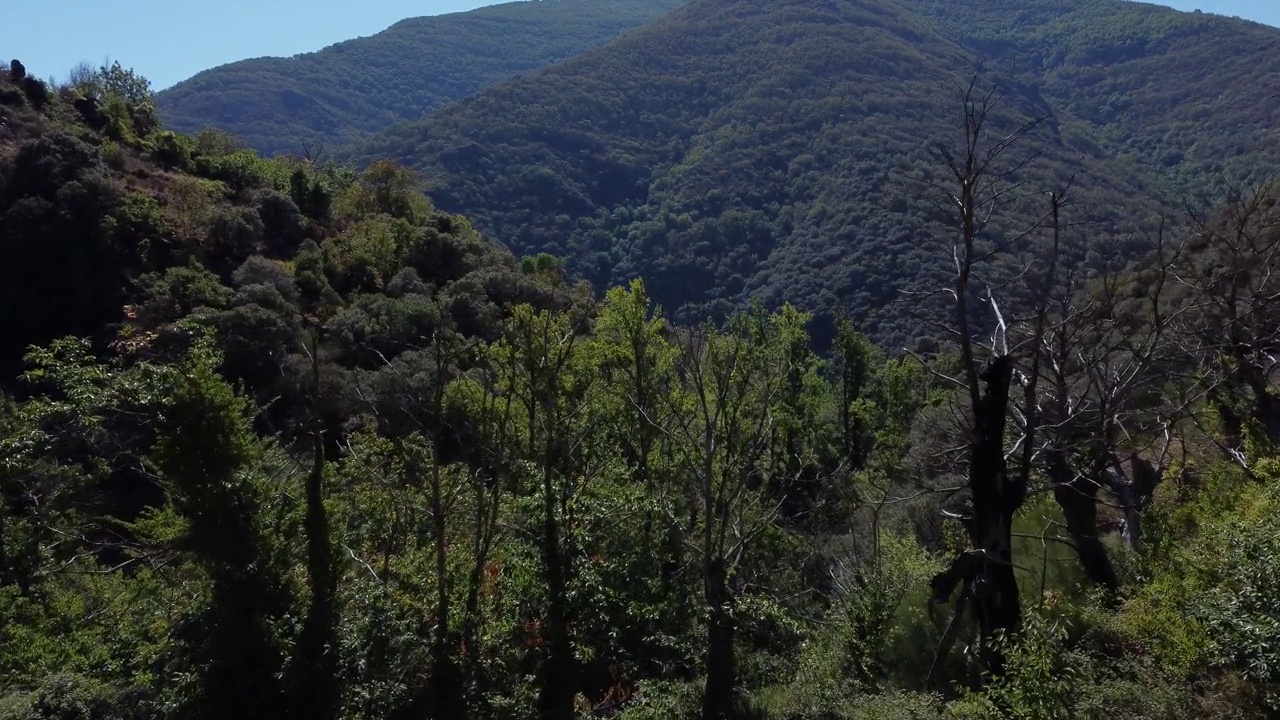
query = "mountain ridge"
{"x": 734, "y": 151}
{"x": 341, "y": 92}
{"x": 1132, "y": 40}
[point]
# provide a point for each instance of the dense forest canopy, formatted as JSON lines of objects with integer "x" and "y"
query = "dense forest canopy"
{"x": 355, "y": 88}
{"x": 738, "y": 151}
{"x": 281, "y": 437}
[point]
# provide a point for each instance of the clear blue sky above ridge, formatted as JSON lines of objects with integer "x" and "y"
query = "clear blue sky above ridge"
{"x": 171, "y": 40}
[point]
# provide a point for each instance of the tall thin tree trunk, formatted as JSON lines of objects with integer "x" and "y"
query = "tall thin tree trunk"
{"x": 987, "y": 571}
{"x": 1077, "y": 496}
{"x": 1134, "y": 493}
{"x": 6, "y": 575}
{"x": 315, "y": 672}
{"x": 718, "y": 700}
{"x": 1267, "y": 410}
{"x": 1131, "y": 532}
{"x": 558, "y": 686}
{"x": 995, "y": 500}
{"x": 445, "y": 679}
{"x": 447, "y": 691}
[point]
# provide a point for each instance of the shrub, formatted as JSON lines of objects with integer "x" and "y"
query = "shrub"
{"x": 388, "y": 189}
{"x": 112, "y": 154}
{"x": 1038, "y": 675}
{"x": 366, "y": 256}
{"x": 258, "y": 270}
{"x": 1241, "y": 613}
{"x": 310, "y": 194}
{"x": 144, "y": 117}
{"x": 12, "y": 96}
{"x": 119, "y": 120}
{"x": 661, "y": 700}
{"x": 407, "y": 282}
{"x": 254, "y": 339}
{"x": 36, "y": 91}
{"x": 65, "y": 697}
{"x": 240, "y": 170}
{"x": 895, "y": 705}
{"x": 211, "y": 142}
{"x": 313, "y": 283}
{"x": 45, "y": 166}
{"x": 172, "y": 150}
{"x": 234, "y": 234}
{"x": 283, "y": 224}
{"x": 178, "y": 291}
{"x": 189, "y": 206}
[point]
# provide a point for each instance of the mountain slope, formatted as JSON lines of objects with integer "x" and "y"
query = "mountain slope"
{"x": 368, "y": 84}
{"x": 112, "y": 227}
{"x": 1187, "y": 93}
{"x": 741, "y": 150}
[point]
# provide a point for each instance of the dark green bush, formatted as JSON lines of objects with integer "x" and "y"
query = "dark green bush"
{"x": 283, "y": 224}
{"x": 12, "y": 96}
{"x": 67, "y": 697}
{"x": 234, "y": 235}
{"x": 172, "y": 150}
{"x": 36, "y": 91}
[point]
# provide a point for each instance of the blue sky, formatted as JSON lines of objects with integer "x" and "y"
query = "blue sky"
{"x": 1263, "y": 11}
{"x": 170, "y": 40}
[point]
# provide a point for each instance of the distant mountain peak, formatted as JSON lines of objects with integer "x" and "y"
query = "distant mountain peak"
{"x": 357, "y": 87}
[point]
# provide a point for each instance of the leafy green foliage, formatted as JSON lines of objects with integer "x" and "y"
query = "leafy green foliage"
{"x": 1036, "y": 682}
{"x": 65, "y": 697}
{"x": 324, "y": 450}
{"x": 110, "y": 81}
{"x": 129, "y": 86}
{"x": 55, "y": 205}
{"x": 1240, "y": 616}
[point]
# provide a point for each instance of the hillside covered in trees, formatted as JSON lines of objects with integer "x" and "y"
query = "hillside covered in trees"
{"x": 775, "y": 151}
{"x": 352, "y": 89}
{"x": 285, "y": 440}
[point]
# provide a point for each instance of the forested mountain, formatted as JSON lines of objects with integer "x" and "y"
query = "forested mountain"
{"x": 773, "y": 150}
{"x": 281, "y": 439}
{"x": 1111, "y": 65}
{"x": 354, "y": 88}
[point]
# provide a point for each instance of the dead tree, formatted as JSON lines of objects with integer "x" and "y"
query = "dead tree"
{"x": 978, "y": 185}
{"x": 1109, "y": 390}
{"x": 1231, "y": 327}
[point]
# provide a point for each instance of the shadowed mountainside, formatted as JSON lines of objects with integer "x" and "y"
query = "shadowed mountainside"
{"x": 357, "y": 87}
{"x": 740, "y": 150}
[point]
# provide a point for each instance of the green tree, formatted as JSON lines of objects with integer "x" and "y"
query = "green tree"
{"x": 546, "y": 370}
{"x": 728, "y": 407}
{"x": 854, "y": 360}
{"x": 206, "y": 454}
{"x": 182, "y": 428}
{"x": 115, "y": 80}
{"x": 61, "y": 261}
{"x": 388, "y": 189}
{"x": 312, "y": 678}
